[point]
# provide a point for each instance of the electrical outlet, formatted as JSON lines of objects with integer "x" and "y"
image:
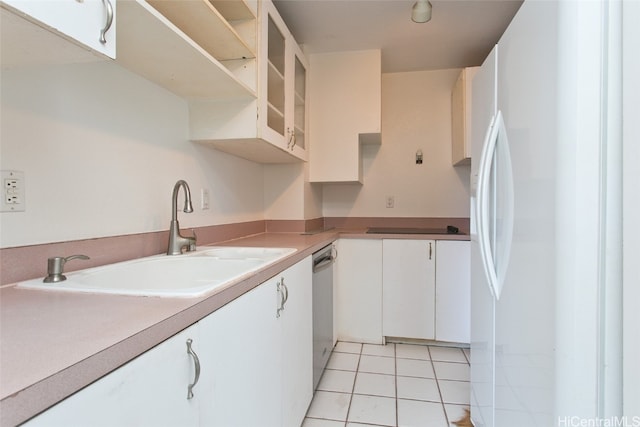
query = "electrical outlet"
{"x": 204, "y": 199}
{"x": 13, "y": 191}
{"x": 390, "y": 201}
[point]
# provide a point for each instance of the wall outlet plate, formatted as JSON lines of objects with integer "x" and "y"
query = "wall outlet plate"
{"x": 391, "y": 201}
{"x": 13, "y": 191}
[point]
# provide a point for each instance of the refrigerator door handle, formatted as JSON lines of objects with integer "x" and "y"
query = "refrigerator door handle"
{"x": 487, "y": 206}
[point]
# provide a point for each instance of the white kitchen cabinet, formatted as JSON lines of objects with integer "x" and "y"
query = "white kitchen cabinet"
{"x": 453, "y": 291}
{"x": 461, "y": 117}
{"x": 297, "y": 343}
{"x": 296, "y": 91}
{"x": 408, "y": 288}
{"x": 358, "y": 290}
{"x": 150, "y": 390}
{"x": 260, "y": 357}
{"x": 346, "y": 91}
{"x": 240, "y": 343}
{"x": 236, "y": 63}
{"x": 149, "y": 44}
{"x": 279, "y": 133}
{"x": 89, "y": 23}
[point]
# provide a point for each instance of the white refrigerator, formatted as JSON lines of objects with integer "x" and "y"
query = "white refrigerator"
{"x": 545, "y": 210}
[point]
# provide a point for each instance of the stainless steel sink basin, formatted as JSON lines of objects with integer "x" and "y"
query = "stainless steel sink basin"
{"x": 189, "y": 275}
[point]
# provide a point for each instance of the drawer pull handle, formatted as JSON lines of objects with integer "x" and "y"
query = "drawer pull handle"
{"x": 286, "y": 293}
{"x": 196, "y": 362}
{"x": 109, "y": 21}
{"x": 281, "y": 302}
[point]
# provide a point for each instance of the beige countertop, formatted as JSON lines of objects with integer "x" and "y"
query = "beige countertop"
{"x": 55, "y": 343}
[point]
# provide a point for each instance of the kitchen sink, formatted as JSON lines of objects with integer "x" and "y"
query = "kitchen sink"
{"x": 189, "y": 275}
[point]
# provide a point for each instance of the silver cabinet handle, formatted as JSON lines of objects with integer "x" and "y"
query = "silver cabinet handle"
{"x": 286, "y": 293}
{"x": 107, "y": 25}
{"x": 196, "y": 362}
{"x": 430, "y": 250}
{"x": 291, "y": 143}
{"x": 282, "y": 299}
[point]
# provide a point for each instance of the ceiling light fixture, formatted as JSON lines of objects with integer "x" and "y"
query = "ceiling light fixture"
{"x": 421, "y": 11}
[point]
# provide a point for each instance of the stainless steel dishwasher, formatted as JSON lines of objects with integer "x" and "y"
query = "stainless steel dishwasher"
{"x": 322, "y": 309}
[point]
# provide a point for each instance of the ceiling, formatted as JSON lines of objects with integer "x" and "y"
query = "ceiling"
{"x": 460, "y": 34}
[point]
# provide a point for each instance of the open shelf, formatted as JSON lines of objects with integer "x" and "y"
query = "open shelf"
{"x": 233, "y": 10}
{"x": 153, "y": 47}
{"x": 207, "y": 27}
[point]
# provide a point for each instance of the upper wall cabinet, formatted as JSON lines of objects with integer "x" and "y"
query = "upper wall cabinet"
{"x": 235, "y": 61}
{"x": 346, "y": 90}
{"x": 279, "y": 133}
{"x": 187, "y": 47}
{"x": 461, "y": 118}
{"x": 57, "y": 31}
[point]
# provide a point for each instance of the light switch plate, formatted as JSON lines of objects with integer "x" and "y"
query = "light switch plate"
{"x": 13, "y": 191}
{"x": 204, "y": 198}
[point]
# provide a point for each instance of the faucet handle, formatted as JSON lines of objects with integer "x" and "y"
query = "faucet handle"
{"x": 55, "y": 267}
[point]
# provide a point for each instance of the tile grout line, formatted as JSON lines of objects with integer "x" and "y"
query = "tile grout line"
{"x": 353, "y": 387}
{"x": 435, "y": 375}
{"x": 395, "y": 380}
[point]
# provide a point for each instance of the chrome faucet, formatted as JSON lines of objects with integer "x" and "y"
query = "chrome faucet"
{"x": 177, "y": 241}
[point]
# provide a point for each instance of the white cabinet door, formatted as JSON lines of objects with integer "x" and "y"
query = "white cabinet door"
{"x": 151, "y": 390}
{"x": 345, "y": 90}
{"x": 258, "y": 361}
{"x": 297, "y": 343}
{"x": 273, "y": 72}
{"x": 461, "y": 117}
{"x": 358, "y": 288}
{"x": 241, "y": 362}
{"x": 82, "y": 21}
{"x": 453, "y": 291}
{"x": 408, "y": 287}
{"x": 296, "y": 100}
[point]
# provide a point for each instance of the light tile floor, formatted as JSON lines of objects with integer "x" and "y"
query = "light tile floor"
{"x": 391, "y": 385}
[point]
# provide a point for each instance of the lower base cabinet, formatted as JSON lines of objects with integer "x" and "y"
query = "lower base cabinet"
{"x": 151, "y": 390}
{"x": 256, "y": 367}
{"x": 260, "y": 353}
{"x": 408, "y": 288}
{"x": 453, "y": 291}
{"x": 358, "y": 290}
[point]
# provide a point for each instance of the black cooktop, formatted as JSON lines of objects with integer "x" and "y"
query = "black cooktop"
{"x": 398, "y": 230}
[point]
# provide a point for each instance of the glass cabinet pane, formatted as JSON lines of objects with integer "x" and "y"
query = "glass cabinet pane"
{"x": 299, "y": 115}
{"x": 275, "y": 78}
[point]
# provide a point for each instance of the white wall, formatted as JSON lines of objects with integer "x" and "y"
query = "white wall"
{"x": 101, "y": 149}
{"x": 416, "y": 114}
{"x": 288, "y": 193}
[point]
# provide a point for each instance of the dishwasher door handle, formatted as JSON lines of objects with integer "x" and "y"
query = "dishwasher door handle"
{"x": 322, "y": 262}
